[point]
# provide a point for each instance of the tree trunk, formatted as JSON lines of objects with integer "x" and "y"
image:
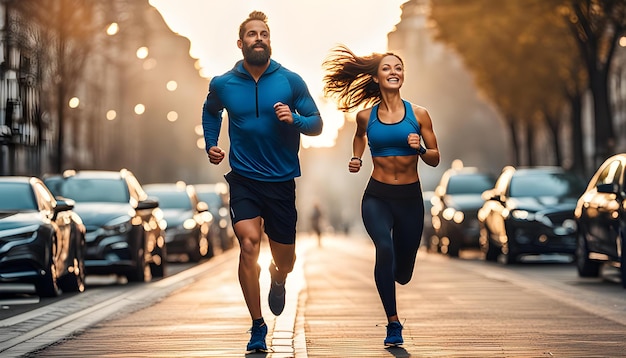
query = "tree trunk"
{"x": 553, "y": 125}
{"x": 529, "y": 145}
{"x": 514, "y": 141}
{"x": 604, "y": 133}
{"x": 579, "y": 166}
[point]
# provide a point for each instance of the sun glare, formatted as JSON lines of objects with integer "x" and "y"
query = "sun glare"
{"x": 299, "y": 43}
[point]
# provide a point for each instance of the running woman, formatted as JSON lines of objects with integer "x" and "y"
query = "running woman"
{"x": 392, "y": 206}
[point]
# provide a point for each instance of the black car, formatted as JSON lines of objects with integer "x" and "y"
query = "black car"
{"x": 530, "y": 211}
{"x": 455, "y": 206}
{"x": 123, "y": 224}
{"x": 601, "y": 217}
{"x": 42, "y": 241}
{"x": 216, "y": 196}
{"x": 188, "y": 220}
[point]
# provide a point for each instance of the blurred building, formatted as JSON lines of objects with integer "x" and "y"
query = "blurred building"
{"x": 22, "y": 124}
{"x": 133, "y": 101}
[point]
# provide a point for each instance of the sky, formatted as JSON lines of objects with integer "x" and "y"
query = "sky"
{"x": 302, "y": 34}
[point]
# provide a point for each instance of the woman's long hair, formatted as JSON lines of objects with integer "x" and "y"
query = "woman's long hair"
{"x": 349, "y": 78}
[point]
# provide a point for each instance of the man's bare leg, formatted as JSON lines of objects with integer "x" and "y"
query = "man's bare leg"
{"x": 248, "y": 233}
{"x": 284, "y": 258}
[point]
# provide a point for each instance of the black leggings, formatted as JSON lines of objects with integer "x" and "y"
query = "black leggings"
{"x": 393, "y": 216}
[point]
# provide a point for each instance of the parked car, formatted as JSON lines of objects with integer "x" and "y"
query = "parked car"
{"x": 188, "y": 220}
{"x": 455, "y": 206}
{"x": 124, "y": 235}
{"x": 601, "y": 217}
{"x": 42, "y": 240}
{"x": 530, "y": 211}
{"x": 216, "y": 196}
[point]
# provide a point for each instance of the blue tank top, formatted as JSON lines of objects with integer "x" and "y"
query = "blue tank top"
{"x": 386, "y": 140}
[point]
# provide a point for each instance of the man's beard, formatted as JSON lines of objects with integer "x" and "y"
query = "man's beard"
{"x": 257, "y": 58}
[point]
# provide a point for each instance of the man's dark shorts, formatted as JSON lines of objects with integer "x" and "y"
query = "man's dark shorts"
{"x": 275, "y": 202}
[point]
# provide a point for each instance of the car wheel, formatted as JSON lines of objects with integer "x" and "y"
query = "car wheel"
{"x": 47, "y": 286}
{"x": 622, "y": 258}
{"x": 159, "y": 261}
{"x": 74, "y": 281}
{"x": 510, "y": 255}
{"x": 453, "y": 246}
{"x": 139, "y": 273}
{"x": 432, "y": 243}
{"x": 491, "y": 251}
{"x": 586, "y": 267}
{"x": 200, "y": 249}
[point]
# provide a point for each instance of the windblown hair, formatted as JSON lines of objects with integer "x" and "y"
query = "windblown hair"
{"x": 254, "y": 15}
{"x": 349, "y": 78}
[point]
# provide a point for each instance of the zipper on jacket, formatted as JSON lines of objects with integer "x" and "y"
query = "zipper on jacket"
{"x": 256, "y": 95}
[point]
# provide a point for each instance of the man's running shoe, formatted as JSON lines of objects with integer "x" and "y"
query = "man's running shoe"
{"x": 276, "y": 297}
{"x": 257, "y": 339}
{"x": 394, "y": 334}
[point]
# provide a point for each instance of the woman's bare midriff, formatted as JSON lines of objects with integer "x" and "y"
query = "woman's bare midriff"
{"x": 395, "y": 169}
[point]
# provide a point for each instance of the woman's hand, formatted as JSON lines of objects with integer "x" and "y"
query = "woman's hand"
{"x": 414, "y": 140}
{"x": 355, "y": 165}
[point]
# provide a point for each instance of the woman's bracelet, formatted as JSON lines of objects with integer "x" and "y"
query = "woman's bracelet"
{"x": 422, "y": 150}
{"x": 357, "y": 158}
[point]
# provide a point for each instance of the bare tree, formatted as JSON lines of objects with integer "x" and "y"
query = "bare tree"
{"x": 62, "y": 31}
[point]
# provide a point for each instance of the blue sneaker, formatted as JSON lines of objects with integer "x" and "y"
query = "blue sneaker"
{"x": 276, "y": 297}
{"x": 394, "y": 334}
{"x": 257, "y": 339}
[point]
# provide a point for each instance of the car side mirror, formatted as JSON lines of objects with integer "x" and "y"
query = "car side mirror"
{"x": 149, "y": 203}
{"x": 64, "y": 204}
{"x": 608, "y": 188}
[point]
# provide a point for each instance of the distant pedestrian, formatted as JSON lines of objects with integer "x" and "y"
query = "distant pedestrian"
{"x": 316, "y": 223}
{"x": 268, "y": 107}
{"x": 392, "y": 207}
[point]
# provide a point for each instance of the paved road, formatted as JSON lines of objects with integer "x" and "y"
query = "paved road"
{"x": 451, "y": 308}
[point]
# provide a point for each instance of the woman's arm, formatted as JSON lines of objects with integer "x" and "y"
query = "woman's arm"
{"x": 359, "y": 141}
{"x": 431, "y": 156}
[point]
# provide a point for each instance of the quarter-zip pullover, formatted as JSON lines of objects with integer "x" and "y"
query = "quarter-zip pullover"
{"x": 261, "y": 146}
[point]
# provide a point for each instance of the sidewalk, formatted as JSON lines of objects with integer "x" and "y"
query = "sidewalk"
{"x": 448, "y": 309}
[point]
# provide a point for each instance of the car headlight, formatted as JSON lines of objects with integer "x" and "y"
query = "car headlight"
{"x": 522, "y": 215}
{"x": 118, "y": 226}
{"x": 569, "y": 226}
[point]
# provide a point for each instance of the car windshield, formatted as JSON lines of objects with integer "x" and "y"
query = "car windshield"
{"x": 561, "y": 185}
{"x": 469, "y": 184}
{"x": 94, "y": 190}
{"x": 16, "y": 197}
{"x": 172, "y": 199}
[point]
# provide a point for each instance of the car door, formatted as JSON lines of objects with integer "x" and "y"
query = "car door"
{"x": 602, "y": 211}
{"x": 61, "y": 223}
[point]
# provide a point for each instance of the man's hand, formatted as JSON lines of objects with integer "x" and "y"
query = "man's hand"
{"x": 216, "y": 155}
{"x": 283, "y": 112}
